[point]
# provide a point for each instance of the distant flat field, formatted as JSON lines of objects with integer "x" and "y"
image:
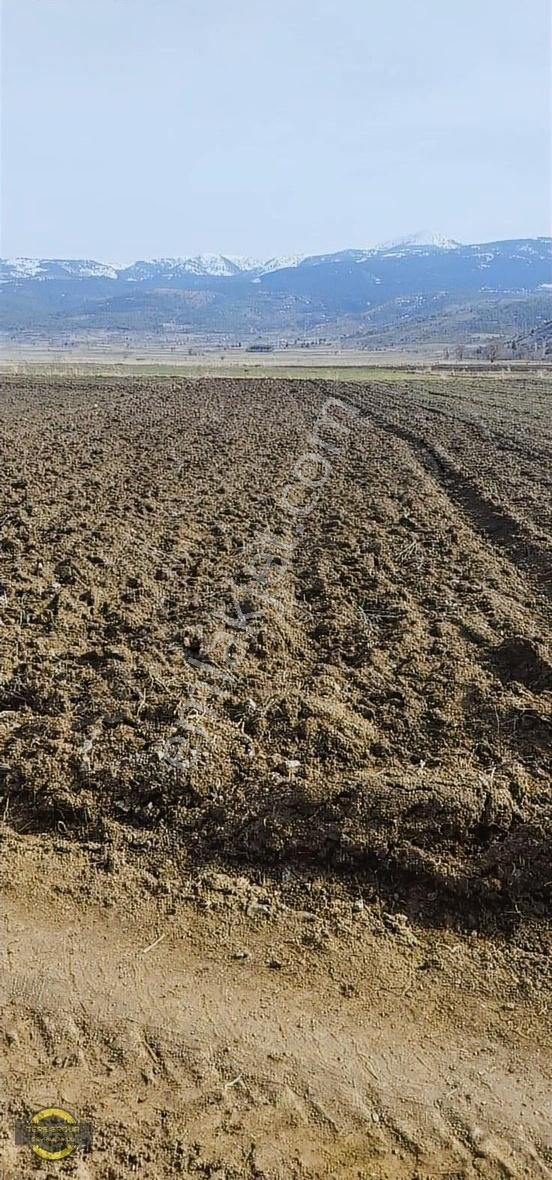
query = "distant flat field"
{"x": 323, "y": 363}
{"x": 205, "y": 360}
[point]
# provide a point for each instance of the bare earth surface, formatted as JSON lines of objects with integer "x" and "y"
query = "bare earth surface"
{"x": 275, "y": 787}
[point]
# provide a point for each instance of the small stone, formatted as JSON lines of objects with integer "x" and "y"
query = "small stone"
{"x": 431, "y": 963}
{"x": 358, "y": 905}
{"x": 399, "y": 925}
{"x": 257, "y": 907}
{"x": 276, "y": 964}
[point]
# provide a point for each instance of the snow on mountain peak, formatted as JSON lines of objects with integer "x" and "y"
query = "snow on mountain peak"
{"x": 204, "y": 265}
{"x": 283, "y": 263}
{"x": 231, "y": 264}
{"x": 423, "y": 238}
{"x": 44, "y": 268}
{"x": 214, "y": 264}
{"x": 25, "y": 267}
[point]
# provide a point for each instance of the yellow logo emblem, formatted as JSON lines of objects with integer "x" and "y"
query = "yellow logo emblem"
{"x": 54, "y": 1134}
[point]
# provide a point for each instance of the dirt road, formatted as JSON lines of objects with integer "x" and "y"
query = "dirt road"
{"x": 232, "y": 1038}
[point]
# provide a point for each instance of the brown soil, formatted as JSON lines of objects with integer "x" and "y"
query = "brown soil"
{"x": 310, "y": 754}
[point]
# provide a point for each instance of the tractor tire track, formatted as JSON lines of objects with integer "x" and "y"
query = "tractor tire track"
{"x": 495, "y": 523}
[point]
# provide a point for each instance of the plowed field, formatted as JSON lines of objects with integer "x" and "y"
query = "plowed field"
{"x": 281, "y": 647}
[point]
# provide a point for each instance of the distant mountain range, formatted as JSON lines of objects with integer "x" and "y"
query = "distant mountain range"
{"x": 246, "y": 297}
{"x": 214, "y": 265}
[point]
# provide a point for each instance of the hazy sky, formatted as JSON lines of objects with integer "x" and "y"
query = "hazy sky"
{"x": 143, "y": 128}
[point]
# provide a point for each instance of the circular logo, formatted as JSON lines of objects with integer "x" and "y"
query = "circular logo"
{"x": 54, "y": 1133}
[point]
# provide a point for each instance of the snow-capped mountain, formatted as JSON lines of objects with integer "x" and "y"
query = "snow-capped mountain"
{"x": 55, "y": 268}
{"x": 277, "y": 292}
{"x": 214, "y": 265}
{"x": 283, "y": 263}
{"x": 423, "y": 238}
{"x": 439, "y": 250}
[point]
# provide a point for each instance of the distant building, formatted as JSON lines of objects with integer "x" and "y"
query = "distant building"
{"x": 260, "y": 348}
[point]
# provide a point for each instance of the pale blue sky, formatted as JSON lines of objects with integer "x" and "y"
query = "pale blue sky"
{"x": 143, "y": 128}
